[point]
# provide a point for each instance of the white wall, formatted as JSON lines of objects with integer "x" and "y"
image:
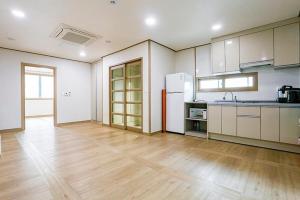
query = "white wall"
{"x": 185, "y": 61}
{"x": 38, "y": 107}
{"x": 162, "y": 63}
{"x": 269, "y": 80}
{"x": 71, "y": 76}
{"x": 139, "y": 51}
{"x": 97, "y": 91}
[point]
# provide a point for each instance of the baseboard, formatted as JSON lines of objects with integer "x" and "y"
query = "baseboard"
{"x": 11, "y": 130}
{"x": 153, "y": 133}
{"x": 257, "y": 143}
{"x": 96, "y": 122}
{"x": 72, "y": 123}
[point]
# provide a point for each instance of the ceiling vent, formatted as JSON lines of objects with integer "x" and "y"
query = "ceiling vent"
{"x": 74, "y": 35}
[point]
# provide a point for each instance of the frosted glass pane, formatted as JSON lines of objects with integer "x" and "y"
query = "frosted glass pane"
{"x": 118, "y": 96}
{"x": 135, "y": 122}
{"x": 118, "y": 85}
{"x": 118, "y": 108}
{"x": 117, "y": 73}
{"x": 211, "y": 84}
{"x": 133, "y": 69}
{"x": 47, "y": 83}
{"x": 134, "y": 83}
{"x": 239, "y": 82}
{"x": 118, "y": 120}
{"x": 134, "y": 109}
{"x": 134, "y": 96}
{"x": 31, "y": 86}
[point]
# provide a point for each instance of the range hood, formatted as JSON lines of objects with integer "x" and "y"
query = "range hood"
{"x": 256, "y": 64}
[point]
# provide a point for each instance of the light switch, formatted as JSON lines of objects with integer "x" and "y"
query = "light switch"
{"x": 67, "y": 94}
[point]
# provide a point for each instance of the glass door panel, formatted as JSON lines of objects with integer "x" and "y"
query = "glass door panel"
{"x": 118, "y": 108}
{"x": 134, "y": 96}
{"x": 118, "y": 120}
{"x": 118, "y": 96}
{"x": 117, "y": 73}
{"x": 118, "y": 85}
{"x": 134, "y": 84}
{"x": 133, "y": 69}
{"x": 134, "y": 122}
{"x": 134, "y": 109}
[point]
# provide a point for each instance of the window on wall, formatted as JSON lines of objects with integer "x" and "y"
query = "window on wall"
{"x": 38, "y": 86}
{"x": 234, "y": 82}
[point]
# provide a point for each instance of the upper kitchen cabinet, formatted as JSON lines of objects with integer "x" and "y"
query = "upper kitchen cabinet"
{"x": 218, "y": 57}
{"x": 232, "y": 55}
{"x": 203, "y": 61}
{"x": 256, "y": 47}
{"x": 286, "y": 45}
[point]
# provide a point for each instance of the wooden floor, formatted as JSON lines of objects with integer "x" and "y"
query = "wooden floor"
{"x": 88, "y": 161}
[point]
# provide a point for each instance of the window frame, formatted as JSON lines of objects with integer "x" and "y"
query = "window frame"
{"x": 234, "y": 89}
{"x": 40, "y": 75}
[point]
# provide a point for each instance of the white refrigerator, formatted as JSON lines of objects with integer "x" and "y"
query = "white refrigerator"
{"x": 179, "y": 88}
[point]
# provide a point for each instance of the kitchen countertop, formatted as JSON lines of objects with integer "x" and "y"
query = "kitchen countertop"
{"x": 256, "y": 103}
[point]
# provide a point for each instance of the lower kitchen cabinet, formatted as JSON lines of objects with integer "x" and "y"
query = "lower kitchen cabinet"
{"x": 270, "y": 124}
{"x": 229, "y": 120}
{"x": 289, "y": 125}
{"x": 214, "y": 118}
{"x": 248, "y": 127}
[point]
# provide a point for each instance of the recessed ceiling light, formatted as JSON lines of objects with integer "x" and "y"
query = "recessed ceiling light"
{"x": 18, "y": 13}
{"x": 82, "y": 54}
{"x": 216, "y": 27}
{"x": 150, "y": 21}
{"x": 229, "y": 42}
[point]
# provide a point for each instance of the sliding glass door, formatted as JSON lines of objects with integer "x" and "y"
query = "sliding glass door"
{"x": 118, "y": 96}
{"x": 127, "y": 96}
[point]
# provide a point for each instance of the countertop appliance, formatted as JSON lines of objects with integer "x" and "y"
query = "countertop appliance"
{"x": 197, "y": 113}
{"x": 288, "y": 94}
{"x": 179, "y": 88}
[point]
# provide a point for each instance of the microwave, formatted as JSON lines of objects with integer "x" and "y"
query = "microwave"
{"x": 198, "y": 113}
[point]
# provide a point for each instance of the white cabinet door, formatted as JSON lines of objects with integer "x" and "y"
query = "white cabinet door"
{"x": 286, "y": 45}
{"x": 248, "y": 122}
{"x": 229, "y": 120}
{"x": 218, "y": 57}
{"x": 256, "y": 47}
{"x": 232, "y": 54}
{"x": 248, "y": 127}
{"x": 270, "y": 124}
{"x": 289, "y": 125}
{"x": 214, "y": 118}
{"x": 203, "y": 61}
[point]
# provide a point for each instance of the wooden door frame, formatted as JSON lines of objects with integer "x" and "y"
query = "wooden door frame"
{"x": 23, "y": 65}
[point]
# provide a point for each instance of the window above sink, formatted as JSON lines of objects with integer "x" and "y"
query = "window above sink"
{"x": 225, "y": 83}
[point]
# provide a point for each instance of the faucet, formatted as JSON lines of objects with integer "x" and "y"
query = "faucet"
{"x": 232, "y": 99}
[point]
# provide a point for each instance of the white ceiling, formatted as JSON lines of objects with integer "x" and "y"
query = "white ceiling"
{"x": 181, "y": 23}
